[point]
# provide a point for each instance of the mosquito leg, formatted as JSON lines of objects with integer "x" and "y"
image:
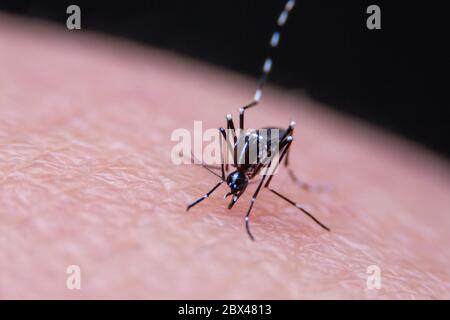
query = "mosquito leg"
{"x": 303, "y": 185}
{"x": 211, "y": 166}
{"x": 221, "y": 157}
{"x": 230, "y": 127}
{"x": 232, "y": 131}
{"x": 284, "y": 152}
{"x": 196, "y": 161}
{"x": 247, "y": 216}
{"x": 229, "y": 147}
{"x": 206, "y": 166}
{"x": 286, "y": 161}
{"x": 267, "y": 66}
{"x": 242, "y": 112}
{"x": 289, "y": 131}
{"x": 301, "y": 208}
{"x": 287, "y": 143}
{"x": 205, "y": 196}
{"x": 258, "y": 93}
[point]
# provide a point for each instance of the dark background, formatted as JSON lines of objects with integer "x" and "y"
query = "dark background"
{"x": 396, "y": 77}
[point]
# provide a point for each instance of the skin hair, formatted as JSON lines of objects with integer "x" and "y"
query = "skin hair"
{"x": 86, "y": 179}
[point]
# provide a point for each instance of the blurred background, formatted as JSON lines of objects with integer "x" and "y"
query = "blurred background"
{"x": 396, "y": 78}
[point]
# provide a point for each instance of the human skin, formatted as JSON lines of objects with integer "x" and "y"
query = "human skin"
{"x": 87, "y": 179}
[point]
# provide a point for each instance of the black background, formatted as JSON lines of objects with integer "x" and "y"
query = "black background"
{"x": 396, "y": 77}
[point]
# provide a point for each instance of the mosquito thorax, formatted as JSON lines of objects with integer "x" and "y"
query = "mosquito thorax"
{"x": 237, "y": 181}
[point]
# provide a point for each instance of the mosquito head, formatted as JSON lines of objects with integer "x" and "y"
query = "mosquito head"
{"x": 237, "y": 181}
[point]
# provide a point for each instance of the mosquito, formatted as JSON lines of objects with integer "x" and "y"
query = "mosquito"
{"x": 247, "y": 169}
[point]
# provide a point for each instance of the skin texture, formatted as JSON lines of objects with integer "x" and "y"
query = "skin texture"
{"x": 87, "y": 179}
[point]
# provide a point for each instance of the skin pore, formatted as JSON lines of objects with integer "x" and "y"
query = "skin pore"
{"x": 87, "y": 180}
